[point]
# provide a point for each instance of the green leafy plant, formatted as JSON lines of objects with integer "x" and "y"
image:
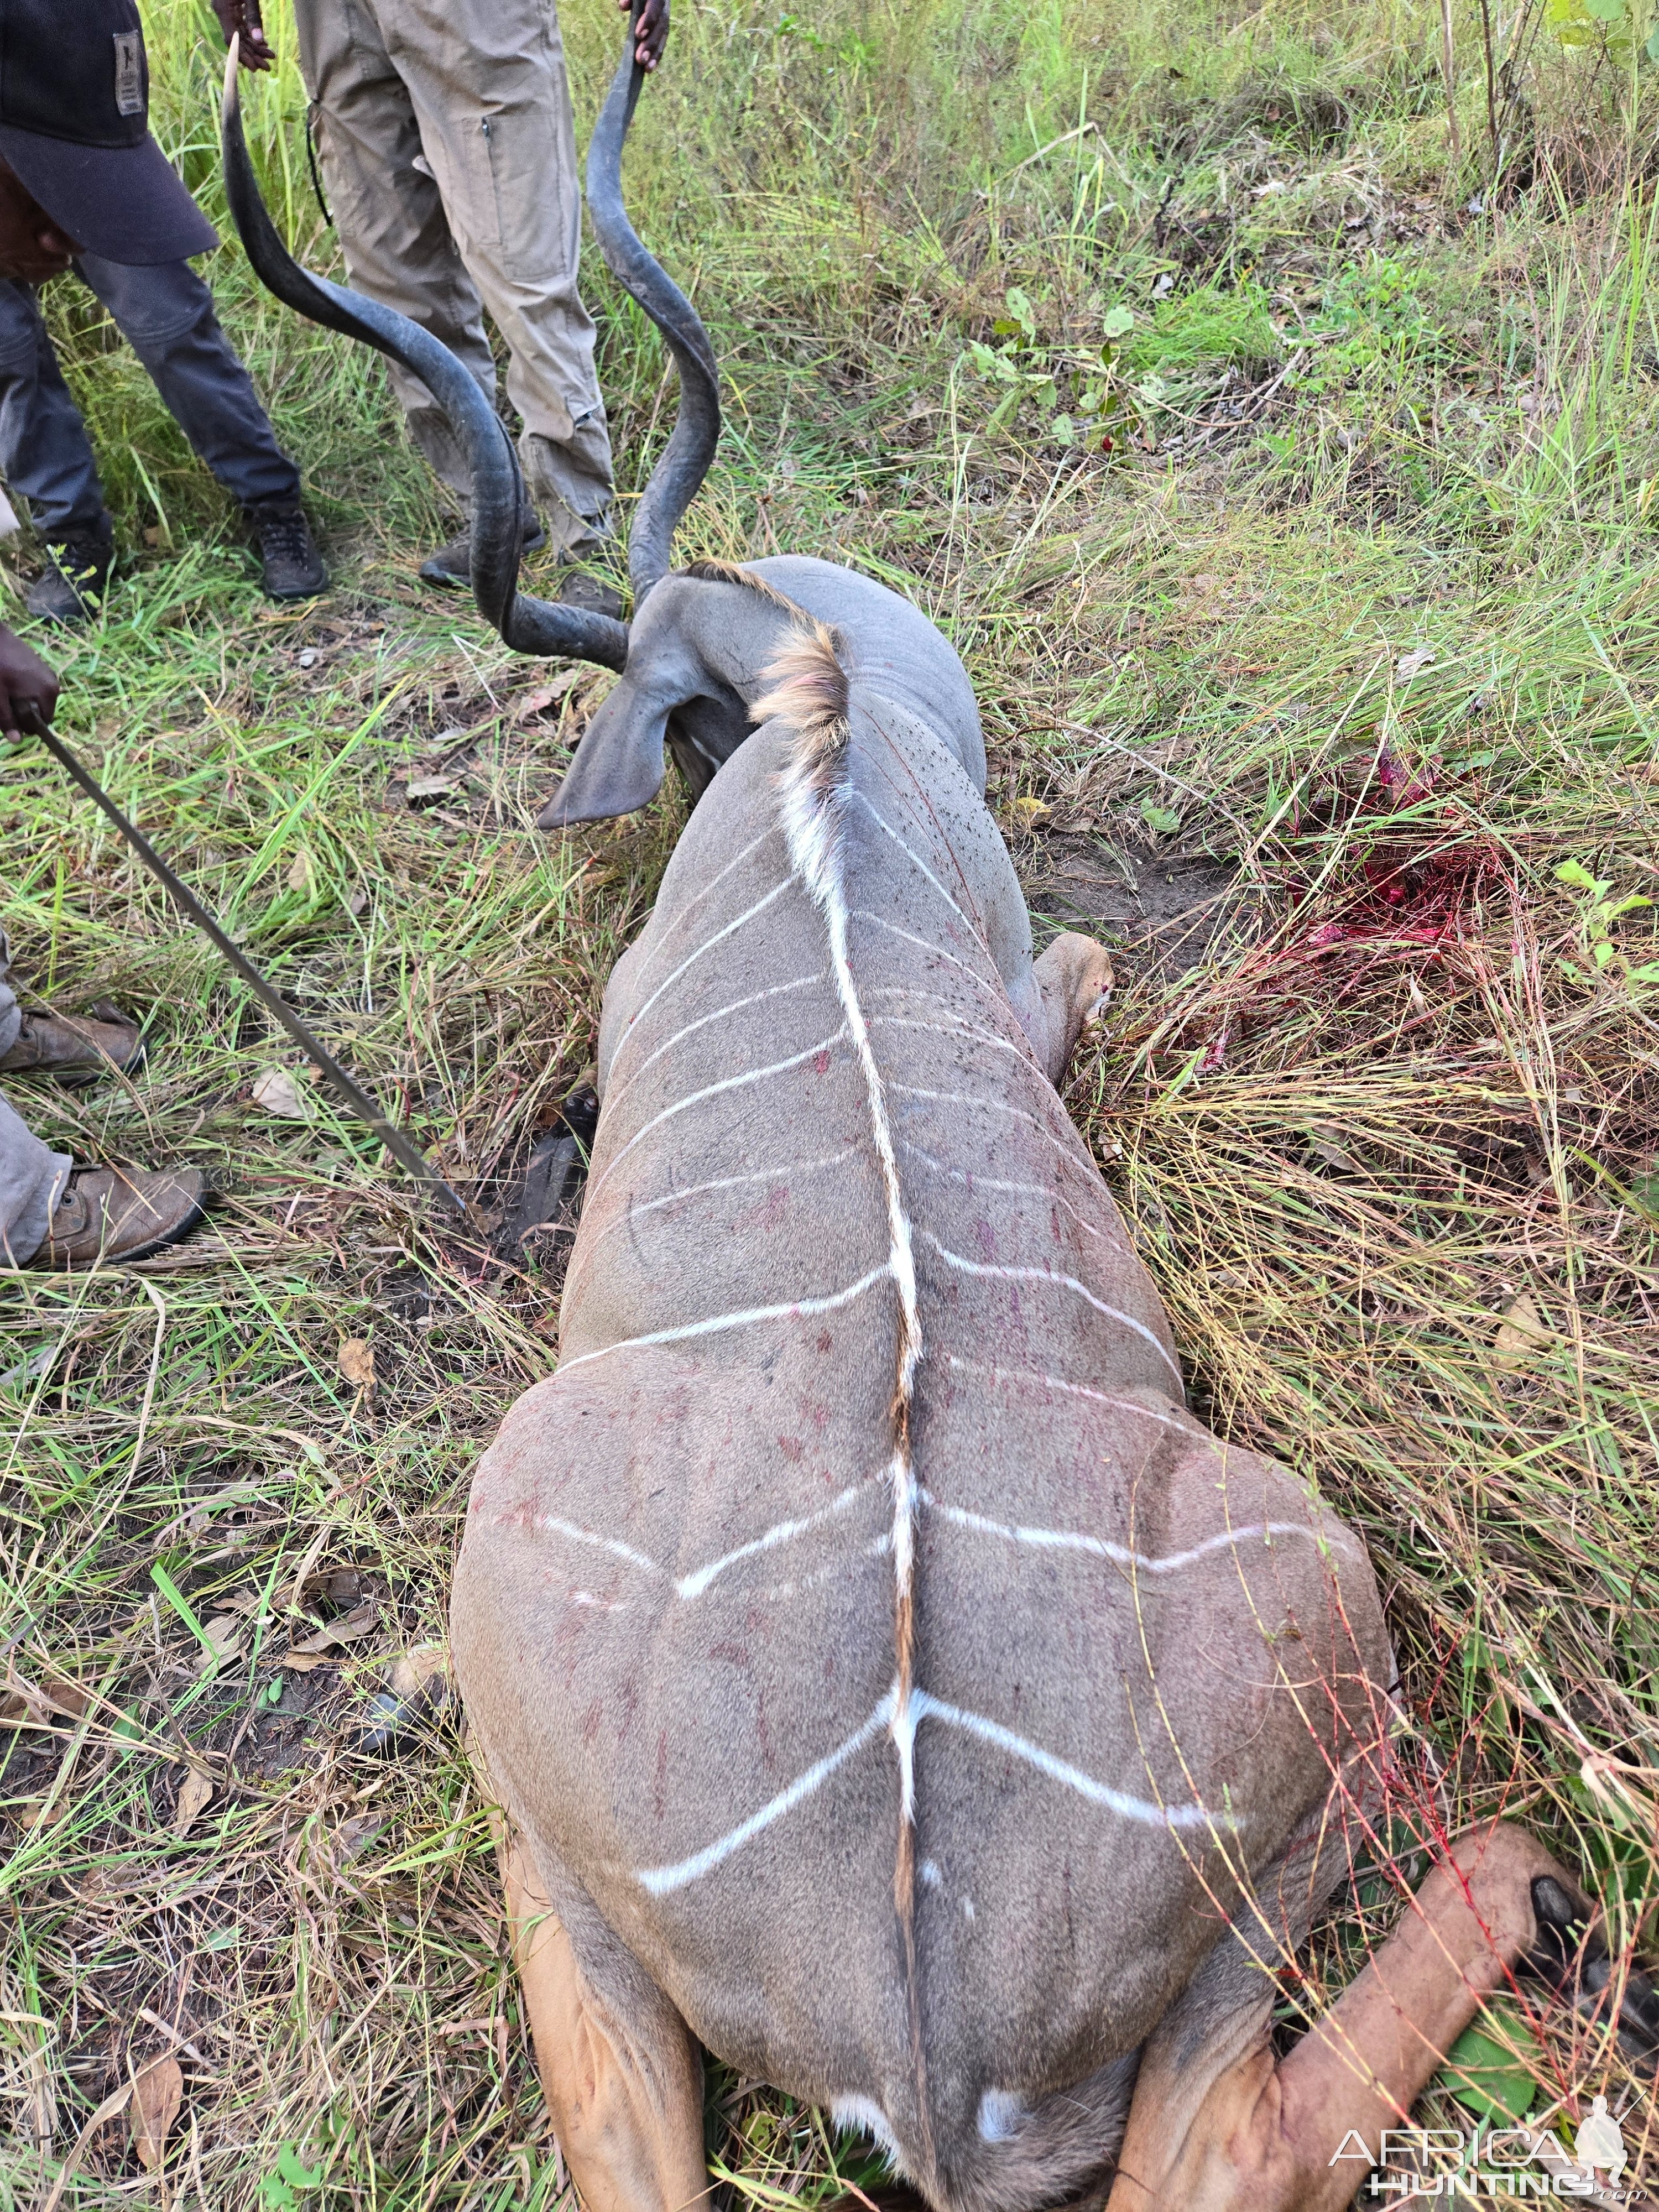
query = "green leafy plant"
{"x": 282, "y": 2188}
{"x": 1626, "y": 27}
{"x": 1597, "y": 915}
{"x": 1022, "y": 367}
{"x": 1489, "y": 2077}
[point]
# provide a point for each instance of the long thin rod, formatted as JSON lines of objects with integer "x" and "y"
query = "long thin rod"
{"x": 186, "y": 899}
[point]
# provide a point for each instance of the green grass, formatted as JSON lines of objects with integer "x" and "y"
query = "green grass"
{"x": 1353, "y": 424}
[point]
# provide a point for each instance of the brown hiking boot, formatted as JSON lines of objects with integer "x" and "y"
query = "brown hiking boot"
{"x": 585, "y": 584}
{"x": 451, "y": 567}
{"x": 108, "y": 1216}
{"x": 76, "y": 1047}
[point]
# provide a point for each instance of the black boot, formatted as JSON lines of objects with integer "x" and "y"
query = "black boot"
{"x": 290, "y": 565}
{"x": 451, "y": 567}
{"x": 79, "y": 566}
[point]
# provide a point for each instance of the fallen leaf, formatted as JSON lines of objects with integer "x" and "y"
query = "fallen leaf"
{"x": 357, "y": 1361}
{"x": 279, "y": 1094}
{"x": 1519, "y": 1333}
{"x": 312, "y": 1650}
{"x": 53, "y": 1697}
{"x": 193, "y": 1796}
{"x": 1414, "y": 663}
{"x": 224, "y": 1633}
{"x": 64, "y": 1696}
{"x": 420, "y": 788}
{"x": 157, "y": 2094}
{"x": 342, "y": 1586}
{"x": 538, "y": 702}
{"x": 1030, "y": 813}
{"x": 353, "y": 1837}
{"x": 300, "y": 876}
{"x": 41, "y": 1811}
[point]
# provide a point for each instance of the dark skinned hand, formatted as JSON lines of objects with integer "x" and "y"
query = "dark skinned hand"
{"x": 32, "y": 246}
{"x": 241, "y": 19}
{"x": 650, "y": 33}
{"x": 25, "y": 680}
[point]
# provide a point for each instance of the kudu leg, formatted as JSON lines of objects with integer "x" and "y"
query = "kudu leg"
{"x": 1210, "y": 2132}
{"x": 1074, "y": 977}
{"x": 622, "y": 2079}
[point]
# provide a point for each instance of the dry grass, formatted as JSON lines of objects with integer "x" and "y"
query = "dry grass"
{"x": 1388, "y": 1135}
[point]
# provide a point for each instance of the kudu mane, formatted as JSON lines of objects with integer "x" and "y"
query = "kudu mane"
{"x": 812, "y": 696}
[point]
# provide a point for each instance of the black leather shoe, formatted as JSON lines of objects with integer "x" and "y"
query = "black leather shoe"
{"x": 291, "y": 568}
{"x": 78, "y": 569}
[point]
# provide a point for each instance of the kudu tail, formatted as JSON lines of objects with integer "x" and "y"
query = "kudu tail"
{"x": 1017, "y": 2157}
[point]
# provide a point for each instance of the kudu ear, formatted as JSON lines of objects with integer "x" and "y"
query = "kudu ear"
{"x": 618, "y": 766}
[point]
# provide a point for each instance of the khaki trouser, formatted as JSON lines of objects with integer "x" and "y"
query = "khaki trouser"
{"x": 450, "y": 157}
{"x": 31, "y": 1175}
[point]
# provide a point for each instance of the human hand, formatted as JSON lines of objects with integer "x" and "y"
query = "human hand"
{"x": 25, "y": 681}
{"x": 32, "y": 246}
{"x": 241, "y": 19}
{"x": 650, "y": 32}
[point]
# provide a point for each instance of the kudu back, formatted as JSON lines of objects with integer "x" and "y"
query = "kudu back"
{"x": 868, "y": 1643}
{"x": 886, "y": 1681}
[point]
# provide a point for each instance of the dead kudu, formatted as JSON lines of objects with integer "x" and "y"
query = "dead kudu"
{"x": 886, "y": 1682}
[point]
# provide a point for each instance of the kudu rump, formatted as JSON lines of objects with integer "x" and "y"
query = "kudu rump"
{"x": 887, "y": 1683}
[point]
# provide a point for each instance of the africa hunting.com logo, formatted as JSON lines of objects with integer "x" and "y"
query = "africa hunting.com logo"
{"x": 1492, "y": 2164}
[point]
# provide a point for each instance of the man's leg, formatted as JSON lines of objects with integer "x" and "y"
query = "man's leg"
{"x": 399, "y": 249}
{"x": 31, "y": 1175}
{"x": 44, "y": 450}
{"x": 53, "y": 1214}
{"x": 487, "y": 81}
{"x": 44, "y": 456}
{"x": 166, "y": 314}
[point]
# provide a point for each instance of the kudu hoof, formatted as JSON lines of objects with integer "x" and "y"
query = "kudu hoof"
{"x": 1570, "y": 1959}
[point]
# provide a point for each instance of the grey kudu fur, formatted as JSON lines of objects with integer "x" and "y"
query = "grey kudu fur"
{"x": 885, "y": 1680}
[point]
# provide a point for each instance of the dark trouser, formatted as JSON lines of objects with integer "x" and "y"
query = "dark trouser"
{"x": 166, "y": 314}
